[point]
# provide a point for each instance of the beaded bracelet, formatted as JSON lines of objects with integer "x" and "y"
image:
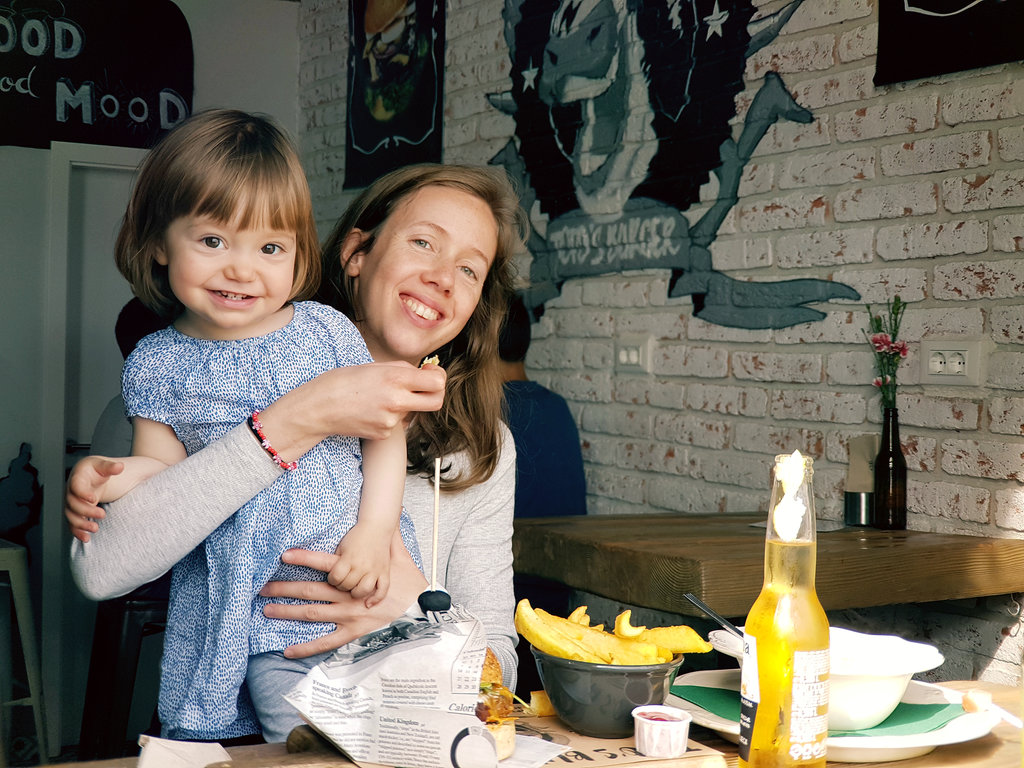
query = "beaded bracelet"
{"x": 257, "y": 429}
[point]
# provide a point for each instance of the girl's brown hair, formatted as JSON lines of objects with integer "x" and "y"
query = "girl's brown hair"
{"x": 472, "y": 408}
{"x": 219, "y": 163}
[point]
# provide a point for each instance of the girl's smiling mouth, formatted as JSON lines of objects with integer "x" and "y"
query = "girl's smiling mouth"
{"x": 420, "y": 309}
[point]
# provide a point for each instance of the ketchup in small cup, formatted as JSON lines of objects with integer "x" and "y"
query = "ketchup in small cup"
{"x": 661, "y": 731}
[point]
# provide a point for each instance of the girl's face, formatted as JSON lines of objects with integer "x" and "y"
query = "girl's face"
{"x": 421, "y": 282}
{"x": 233, "y": 282}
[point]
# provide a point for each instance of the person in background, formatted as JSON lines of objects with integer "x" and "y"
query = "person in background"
{"x": 549, "y": 465}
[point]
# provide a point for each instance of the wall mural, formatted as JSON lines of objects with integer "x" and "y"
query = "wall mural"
{"x": 622, "y": 110}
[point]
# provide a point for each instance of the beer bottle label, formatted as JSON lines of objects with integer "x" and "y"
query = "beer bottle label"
{"x": 750, "y": 694}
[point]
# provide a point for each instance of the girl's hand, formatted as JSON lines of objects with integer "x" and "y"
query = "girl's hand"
{"x": 85, "y": 486}
{"x": 339, "y": 607}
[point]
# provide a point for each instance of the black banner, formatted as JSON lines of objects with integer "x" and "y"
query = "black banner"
{"x": 920, "y": 38}
{"x": 115, "y": 72}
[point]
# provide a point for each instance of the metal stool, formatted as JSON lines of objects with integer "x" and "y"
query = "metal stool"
{"x": 121, "y": 626}
{"x": 14, "y": 560}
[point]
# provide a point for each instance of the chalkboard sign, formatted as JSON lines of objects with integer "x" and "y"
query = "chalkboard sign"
{"x": 115, "y": 72}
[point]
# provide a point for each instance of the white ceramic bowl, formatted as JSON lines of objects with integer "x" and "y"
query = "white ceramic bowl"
{"x": 869, "y": 673}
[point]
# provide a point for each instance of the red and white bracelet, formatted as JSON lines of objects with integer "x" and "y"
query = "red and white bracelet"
{"x": 257, "y": 429}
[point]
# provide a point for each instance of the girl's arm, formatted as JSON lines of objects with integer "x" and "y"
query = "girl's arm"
{"x": 147, "y": 531}
{"x": 365, "y": 561}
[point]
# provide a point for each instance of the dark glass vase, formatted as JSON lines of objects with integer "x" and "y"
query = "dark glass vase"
{"x": 890, "y": 498}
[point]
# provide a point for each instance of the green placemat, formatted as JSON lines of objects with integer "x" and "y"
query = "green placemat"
{"x": 906, "y": 719}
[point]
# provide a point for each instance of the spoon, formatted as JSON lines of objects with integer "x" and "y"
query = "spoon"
{"x": 724, "y": 622}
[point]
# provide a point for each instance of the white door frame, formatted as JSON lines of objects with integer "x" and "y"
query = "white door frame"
{"x": 64, "y": 158}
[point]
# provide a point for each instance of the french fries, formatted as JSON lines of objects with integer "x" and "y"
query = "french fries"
{"x": 574, "y": 638}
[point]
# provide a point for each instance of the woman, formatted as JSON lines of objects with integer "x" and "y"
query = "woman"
{"x": 422, "y": 263}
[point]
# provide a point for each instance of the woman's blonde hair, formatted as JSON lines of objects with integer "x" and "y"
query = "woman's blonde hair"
{"x": 472, "y": 408}
{"x": 223, "y": 164}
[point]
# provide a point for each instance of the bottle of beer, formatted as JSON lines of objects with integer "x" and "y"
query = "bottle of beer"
{"x": 785, "y": 677}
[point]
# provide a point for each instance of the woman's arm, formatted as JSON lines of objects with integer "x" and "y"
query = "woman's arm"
{"x": 146, "y": 532}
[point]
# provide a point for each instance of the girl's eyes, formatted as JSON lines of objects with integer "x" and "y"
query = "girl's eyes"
{"x": 212, "y": 241}
{"x": 469, "y": 271}
{"x": 272, "y": 249}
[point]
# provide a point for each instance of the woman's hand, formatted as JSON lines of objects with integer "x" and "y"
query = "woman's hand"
{"x": 366, "y": 401}
{"x": 337, "y": 606}
{"x": 85, "y": 486}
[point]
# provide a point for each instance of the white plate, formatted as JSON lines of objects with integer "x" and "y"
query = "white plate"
{"x": 853, "y": 749}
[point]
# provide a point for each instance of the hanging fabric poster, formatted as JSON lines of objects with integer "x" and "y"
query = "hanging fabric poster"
{"x": 395, "y": 86}
{"x": 920, "y": 38}
{"x": 117, "y": 72}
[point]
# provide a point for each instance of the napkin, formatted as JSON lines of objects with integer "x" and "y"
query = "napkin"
{"x": 164, "y": 753}
{"x": 860, "y": 473}
{"x": 906, "y": 719}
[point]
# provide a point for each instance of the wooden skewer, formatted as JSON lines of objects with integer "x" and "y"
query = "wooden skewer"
{"x": 437, "y": 507}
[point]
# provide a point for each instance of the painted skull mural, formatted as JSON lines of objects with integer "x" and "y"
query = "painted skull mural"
{"x": 622, "y": 110}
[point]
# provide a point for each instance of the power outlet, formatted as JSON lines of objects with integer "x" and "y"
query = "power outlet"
{"x": 633, "y": 354}
{"x": 951, "y": 362}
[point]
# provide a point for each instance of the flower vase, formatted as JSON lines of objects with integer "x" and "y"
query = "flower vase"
{"x": 890, "y": 498}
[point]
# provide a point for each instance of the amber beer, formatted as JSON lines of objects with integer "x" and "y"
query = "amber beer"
{"x": 784, "y": 688}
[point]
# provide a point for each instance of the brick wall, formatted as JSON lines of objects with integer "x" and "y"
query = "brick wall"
{"x": 915, "y": 188}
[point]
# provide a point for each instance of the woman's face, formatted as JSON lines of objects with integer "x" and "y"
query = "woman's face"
{"x": 420, "y": 283}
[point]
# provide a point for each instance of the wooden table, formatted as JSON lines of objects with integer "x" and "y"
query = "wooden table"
{"x": 1000, "y": 749}
{"x": 651, "y": 560}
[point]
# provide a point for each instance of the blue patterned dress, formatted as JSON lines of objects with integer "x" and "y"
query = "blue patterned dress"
{"x": 202, "y": 389}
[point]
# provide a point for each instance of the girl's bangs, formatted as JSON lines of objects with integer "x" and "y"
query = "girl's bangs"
{"x": 249, "y": 200}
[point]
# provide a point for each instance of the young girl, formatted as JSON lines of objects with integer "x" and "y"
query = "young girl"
{"x": 219, "y": 237}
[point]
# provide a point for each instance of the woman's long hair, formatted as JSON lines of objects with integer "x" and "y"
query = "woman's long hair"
{"x": 472, "y": 408}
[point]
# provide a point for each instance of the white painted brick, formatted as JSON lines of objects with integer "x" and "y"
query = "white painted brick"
{"x": 618, "y": 420}
{"x": 850, "y": 368}
{"x": 646, "y": 456}
{"x": 1011, "y": 143}
{"x": 684, "y": 428}
{"x": 736, "y": 253}
{"x": 859, "y": 43}
{"x": 1006, "y": 415}
{"x": 771, "y": 366}
{"x": 772, "y": 439}
{"x": 616, "y": 291}
{"x": 925, "y": 240}
{"x": 893, "y": 118}
{"x": 553, "y": 353}
{"x": 792, "y": 55}
{"x": 838, "y": 167}
{"x": 1009, "y": 512}
{"x": 1000, "y": 189}
{"x": 789, "y": 137}
{"x": 837, "y": 443}
{"x": 939, "y": 412}
{"x": 891, "y": 201}
{"x": 729, "y": 468}
{"x": 995, "y": 101}
{"x": 661, "y": 324}
{"x": 757, "y": 179}
{"x": 877, "y": 287}
{"x": 598, "y": 354}
{"x": 701, "y": 330}
{"x": 1006, "y": 370}
{"x": 960, "y": 151}
{"x": 615, "y": 484}
{"x": 1007, "y": 325}
{"x": 642, "y": 390}
{"x": 687, "y": 360}
{"x": 583, "y": 323}
{"x": 743, "y": 401}
{"x": 823, "y": 13}
{"x": 984, "y": 458}
{"x": 841, "y": 87}
{"x": 790, "y": 212}
{"x": 817, "y": 406}
{"x": 942, "y": 323}
{"x": 1008, "y": 233}
{"x": 825, "y": 248}
{"x": 599, "y": 450}
{"x": 594, "y": 387}
{"x": 680, "y": 494}
{"x": 984, "y": 279}
{"x": 838, "y": 327}
{"x": 603, "y": 506}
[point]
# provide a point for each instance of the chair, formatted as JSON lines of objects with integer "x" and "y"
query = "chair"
{"x": 121, "y": 626}
{"x": 14, "y": 560}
